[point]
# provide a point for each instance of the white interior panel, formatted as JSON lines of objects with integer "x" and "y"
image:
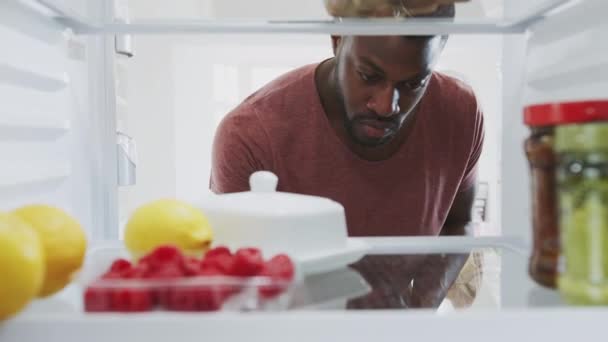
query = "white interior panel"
{"x": 49, "y": 149}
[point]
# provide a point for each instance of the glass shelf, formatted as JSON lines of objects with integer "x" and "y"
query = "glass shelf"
{"x": 389, "y": 294}
{"x": 479, "y": 279}
{"x": 273, "y": 16}
{"x": 444, "y": 275}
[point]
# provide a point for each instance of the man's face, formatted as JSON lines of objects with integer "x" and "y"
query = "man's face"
{"x": 381, "y": 80}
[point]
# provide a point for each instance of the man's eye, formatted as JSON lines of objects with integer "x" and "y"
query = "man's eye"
{"x": 368, "y": 78}
{"x": 416, "y": 85}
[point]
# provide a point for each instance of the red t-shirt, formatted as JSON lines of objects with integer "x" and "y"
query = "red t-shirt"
{"x": 283, "y": 128}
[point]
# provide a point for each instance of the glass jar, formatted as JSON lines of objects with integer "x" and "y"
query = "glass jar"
{"x": 544, "y": 121}
{"x": 545, "y": 252}
{"x": 583, "y": 201}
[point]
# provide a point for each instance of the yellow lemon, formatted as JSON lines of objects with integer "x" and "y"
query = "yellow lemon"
{"x": 21, "y": 265}
{"x": 167, "y": 222}
{"x": 64, "y": 243}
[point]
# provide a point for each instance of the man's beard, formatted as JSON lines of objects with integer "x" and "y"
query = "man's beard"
{"x": 349, "y": 126}
{"x": 350, "y": 123}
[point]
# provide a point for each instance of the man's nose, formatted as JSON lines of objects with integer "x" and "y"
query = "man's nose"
{"x": 385, "y": 102}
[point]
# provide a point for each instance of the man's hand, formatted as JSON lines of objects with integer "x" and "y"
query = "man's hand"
{"x": 384, "y": 8}
{"x": 407, "y": 281}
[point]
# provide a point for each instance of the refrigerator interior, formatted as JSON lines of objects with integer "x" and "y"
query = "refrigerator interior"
{"x": 178, "y": 90}
{"x": 68, "y": 91}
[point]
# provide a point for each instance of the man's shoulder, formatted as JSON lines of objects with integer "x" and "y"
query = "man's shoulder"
{"x": 454, "y": 93}
{"x": 281, "y": 93}
{"x": 453, "y": 113}
{"x": 265, "y": 109}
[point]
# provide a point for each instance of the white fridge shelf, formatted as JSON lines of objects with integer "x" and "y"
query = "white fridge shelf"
{"x": 483, "y": 25}
{"x": 507, "y": 306}
{"x": 556, "y": 325}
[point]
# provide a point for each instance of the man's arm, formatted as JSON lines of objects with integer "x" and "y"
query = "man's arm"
{"x": 433, "y": 275}
{"x": 459, "y": 218}
{"x": 407, "y": 281}
{"x": 437, "y": 275}
{"x": 458, "y": 221}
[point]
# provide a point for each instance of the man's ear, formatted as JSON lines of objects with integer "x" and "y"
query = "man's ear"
{"x": 335, "y": 43}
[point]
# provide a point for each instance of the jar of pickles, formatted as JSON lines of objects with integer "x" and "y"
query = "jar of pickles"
{"x": 544, "y": 121}
{"x": 582, "y": 178}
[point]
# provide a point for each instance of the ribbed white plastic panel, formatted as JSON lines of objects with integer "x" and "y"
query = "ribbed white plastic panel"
{"x": 48, "y": 151}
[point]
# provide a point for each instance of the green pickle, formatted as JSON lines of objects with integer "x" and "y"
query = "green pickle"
{"x": 583, "y": 200}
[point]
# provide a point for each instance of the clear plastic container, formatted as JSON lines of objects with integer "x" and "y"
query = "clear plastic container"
{"x": 193, "y": 294}
{"x": 583, "y": 198}
{"x": 185, "y": 294}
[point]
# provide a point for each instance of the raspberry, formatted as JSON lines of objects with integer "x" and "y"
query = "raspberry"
{"x": 163, "y": 255}
{"x": 210, "y": 272}
{"x": 223, "y": 263}
{"x": 160, "y": 294}
{"x": 164, "y": 262}
{"x": 199, "y": 298}
{"x": 248, "y": 262}
{"x": 280, "y": 266}
{"x": 140, "y": 271}
{"x": 180, "y": 300}
{"x": 97, "y": 299}
{"x": 131, "y": 300}
{"x": 166, "y": 272}
{"x": 191, "y": 266}
{"x": 221, "y": 250}
{"x": 225, "y": 291}
{"x": 279, "y": 269}
{"x": 209, "y": 299}
{"x": 120, "y": 266}
{"x": 119, "y": 269}
{"x": 111, "y": 275}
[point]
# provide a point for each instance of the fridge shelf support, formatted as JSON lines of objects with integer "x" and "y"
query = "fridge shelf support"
{"x": 337, "y": 27}
{"x": 346, "y": 26}
{"x": 542, "y": 11}
{"x": 59, "y": 14}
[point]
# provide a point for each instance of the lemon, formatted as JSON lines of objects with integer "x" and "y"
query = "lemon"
{"x": 21, "y": 265}
{"x": 64, "y": 243}
{"x": 167, "y": 222}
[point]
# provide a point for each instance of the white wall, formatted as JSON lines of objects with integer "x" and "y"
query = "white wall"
{"x": 148, "y": 115}
{"x": 150, "y": 121}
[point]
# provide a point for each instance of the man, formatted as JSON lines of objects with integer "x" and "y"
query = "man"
{"x": 373, "y": 128}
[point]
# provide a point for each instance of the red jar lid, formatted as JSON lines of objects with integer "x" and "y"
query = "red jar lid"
{"x": 565, "y": 113}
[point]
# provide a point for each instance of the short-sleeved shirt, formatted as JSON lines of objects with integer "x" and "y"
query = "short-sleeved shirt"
{"x": 283, "y": 128}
